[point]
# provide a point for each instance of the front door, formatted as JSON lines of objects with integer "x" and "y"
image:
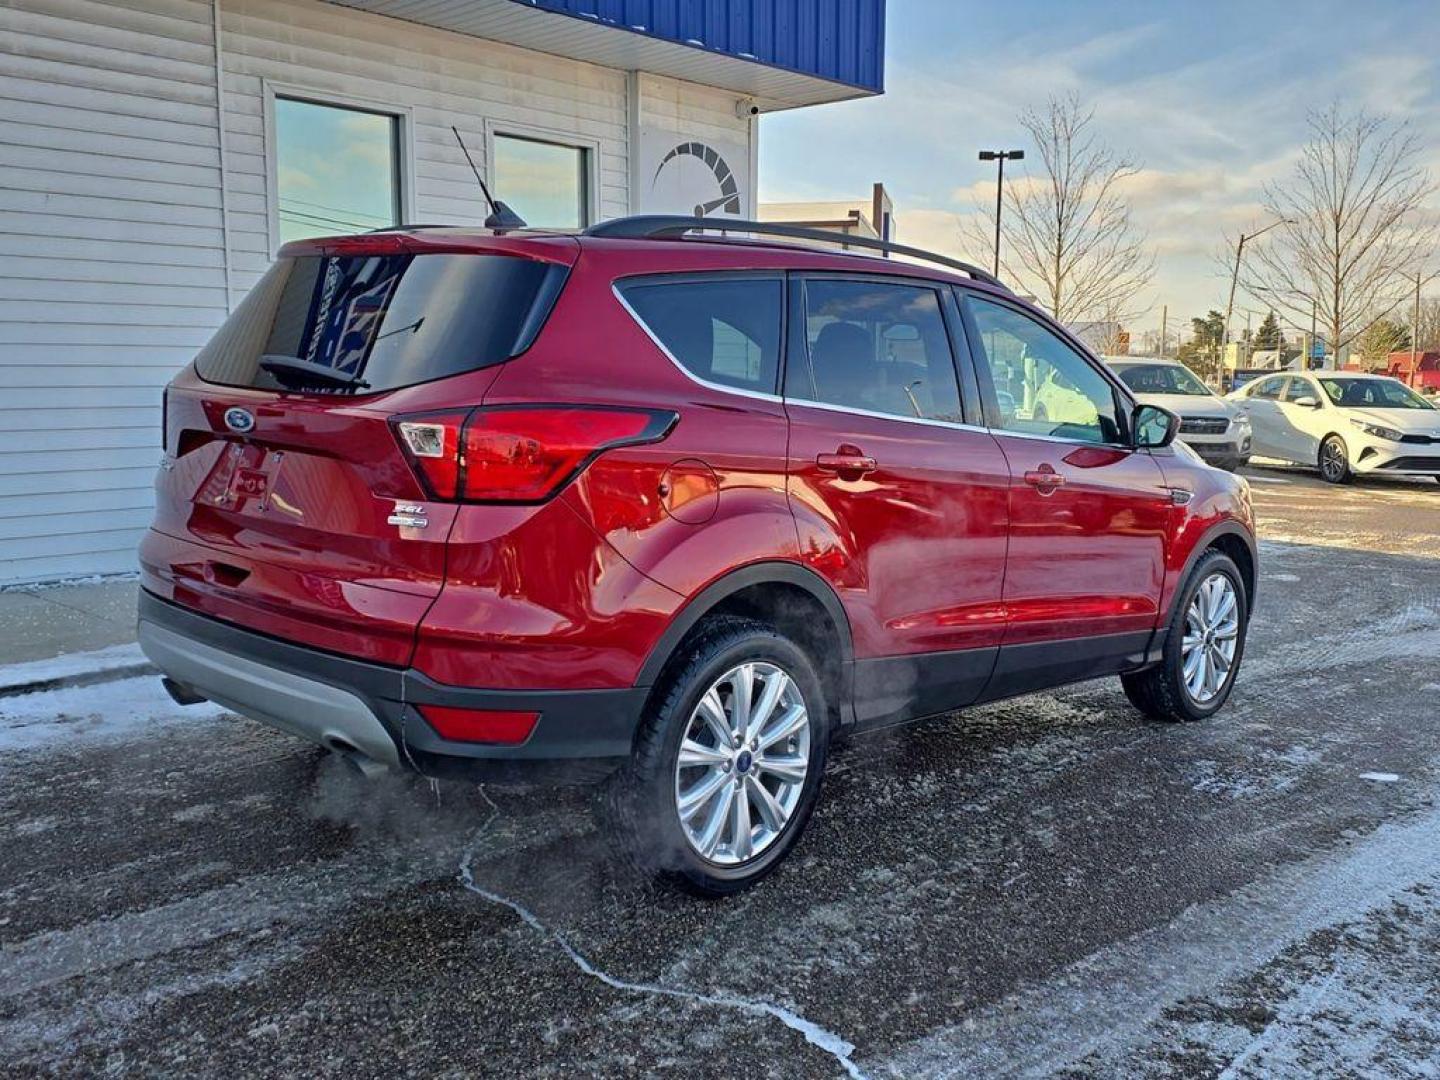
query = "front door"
{"x": 900, "y": 504}
{"x": 1088, "y": 514}
{"x": 1299, "y": 407}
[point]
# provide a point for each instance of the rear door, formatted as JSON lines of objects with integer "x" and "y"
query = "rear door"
{"x": 1262, "y": 405}
{"x": 1089, "y": 515}
{"x": 283, "y": 501}
{"x": 898, "y": 493}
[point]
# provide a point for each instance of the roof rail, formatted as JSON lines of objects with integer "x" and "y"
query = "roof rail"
{"x": 675, "y": 226}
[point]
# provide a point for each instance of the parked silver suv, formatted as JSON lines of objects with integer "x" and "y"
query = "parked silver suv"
{"x": 1211, "y": 426}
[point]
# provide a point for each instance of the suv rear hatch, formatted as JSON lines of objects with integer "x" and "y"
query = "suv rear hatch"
{"x": 284, "y": 500}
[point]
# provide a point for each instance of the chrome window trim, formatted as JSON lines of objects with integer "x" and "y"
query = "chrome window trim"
{"x": 846, "y": 410}
{"x": 739, "y": 391}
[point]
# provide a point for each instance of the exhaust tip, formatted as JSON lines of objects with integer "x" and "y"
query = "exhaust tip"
{"x": 357, "y": 759}
{"x": 180, "y": 693}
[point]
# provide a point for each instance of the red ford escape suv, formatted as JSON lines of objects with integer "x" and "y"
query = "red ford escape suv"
{"x": 667, "y": 510}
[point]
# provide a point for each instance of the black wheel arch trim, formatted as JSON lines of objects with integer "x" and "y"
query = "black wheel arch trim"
{"x": 762, "y": 573}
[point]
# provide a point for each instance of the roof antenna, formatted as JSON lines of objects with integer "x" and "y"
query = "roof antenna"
{"x": 501, "y": 216}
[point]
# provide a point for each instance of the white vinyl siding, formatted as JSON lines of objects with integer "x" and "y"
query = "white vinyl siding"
{"x": 438, "y": 79}
{"x": 111, "y": 265}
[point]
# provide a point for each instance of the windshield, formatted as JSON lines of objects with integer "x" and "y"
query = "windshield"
{"x": 1372, "y": 394}
{"x": 1162, "y": 379}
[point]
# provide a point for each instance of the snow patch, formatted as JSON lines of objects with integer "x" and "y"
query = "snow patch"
{"x": 1380, "y": 777}
{"x": 112, "y": 711}
{"x": 70, "y": 665}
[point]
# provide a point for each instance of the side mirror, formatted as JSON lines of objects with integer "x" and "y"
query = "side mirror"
{"x": 1307, "y": 401}
{"x": 1153, "y": 426}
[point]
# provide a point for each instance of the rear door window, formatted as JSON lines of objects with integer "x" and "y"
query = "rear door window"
{"x": 365, "y": 323}
{"x": 724, "y": 331}
{"x": 877, "y": 347}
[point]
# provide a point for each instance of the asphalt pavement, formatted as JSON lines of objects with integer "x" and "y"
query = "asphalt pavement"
{"x": 1049, "y": 886}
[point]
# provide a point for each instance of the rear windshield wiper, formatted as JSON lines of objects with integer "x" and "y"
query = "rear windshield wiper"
{"x": 282, "y": 366}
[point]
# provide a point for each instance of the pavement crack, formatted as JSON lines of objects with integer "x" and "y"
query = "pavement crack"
{"x": 821, "y": 1038}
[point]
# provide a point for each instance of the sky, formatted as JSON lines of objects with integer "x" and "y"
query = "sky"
{"x": 1210, "y": 100}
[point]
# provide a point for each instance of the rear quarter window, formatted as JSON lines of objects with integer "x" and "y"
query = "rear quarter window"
{"x": 367, "y": 323}
{"x": 721, "y": 331}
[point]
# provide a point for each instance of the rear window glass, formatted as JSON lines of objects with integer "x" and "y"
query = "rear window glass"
{"x": 363, "y": 323}
{"x": 725, "y": 332}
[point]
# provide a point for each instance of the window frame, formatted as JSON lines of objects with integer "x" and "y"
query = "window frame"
{"x": 797, "y": 347}
{"x": 1282, "y": 383}
{"x": 404, "y": 116}
{"x": 686, "y": 277}
{"x": 1125, "y": 401}
{"x": 590, "y": 148}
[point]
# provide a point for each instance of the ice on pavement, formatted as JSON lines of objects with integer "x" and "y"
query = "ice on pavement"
{"x": 125, "y": 708}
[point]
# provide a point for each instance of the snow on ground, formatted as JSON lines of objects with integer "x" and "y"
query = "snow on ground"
{"x": 70, "y": 665}
{"x": 126, "y": 708}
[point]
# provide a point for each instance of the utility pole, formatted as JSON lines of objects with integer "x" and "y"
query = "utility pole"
{"x": 1415, "y": 336}
{"x": 1164, "y": 318}
{"x": 1314, "y": 320}
{"x": 1000, "y": 156}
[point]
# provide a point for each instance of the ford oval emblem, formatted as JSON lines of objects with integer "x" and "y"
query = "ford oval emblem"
{"x": 238, "y": 419}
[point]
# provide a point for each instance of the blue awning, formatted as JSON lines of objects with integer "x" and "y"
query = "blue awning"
{"x": 839, "y": 40}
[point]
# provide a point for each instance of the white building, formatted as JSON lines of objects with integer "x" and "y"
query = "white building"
{"x": 872, "y": 217}
{"x": 155, "y": 153}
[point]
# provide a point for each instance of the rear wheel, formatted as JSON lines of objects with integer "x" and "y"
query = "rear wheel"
{"x": 727, "y": 764}
{"x": 1334, "y": 460}
{"x": 1203, "y": 648}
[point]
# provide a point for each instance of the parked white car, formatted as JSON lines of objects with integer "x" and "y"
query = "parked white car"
{"x": 1343, "y": 423}
{"x": 1211, "y": 426}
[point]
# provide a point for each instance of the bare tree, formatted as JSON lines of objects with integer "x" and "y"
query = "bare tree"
{"x": 1352, "y": 226}
{"x": 1067, "y": 234}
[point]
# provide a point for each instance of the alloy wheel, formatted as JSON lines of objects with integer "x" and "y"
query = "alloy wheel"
{"x": 1212, "y": 631}
{"x": 1332, "y": 460}
{"x": 742, "y": 764}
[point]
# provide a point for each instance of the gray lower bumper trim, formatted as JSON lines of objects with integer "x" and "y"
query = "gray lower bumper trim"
{"x": 313, "y": 710}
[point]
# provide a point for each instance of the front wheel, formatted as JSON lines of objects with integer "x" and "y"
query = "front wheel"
{"x": 1334, "y": 460}
{"x": 1203, "y": 648}
{"x": 727, "y": 763}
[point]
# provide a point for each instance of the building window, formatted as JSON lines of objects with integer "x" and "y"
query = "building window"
{"x": 546, "y": 183}
{"x": 337, "y": 169}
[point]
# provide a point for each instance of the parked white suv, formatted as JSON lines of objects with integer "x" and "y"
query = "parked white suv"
{"x": 1209, "y": 425}
{"x": 1344, "y": 423}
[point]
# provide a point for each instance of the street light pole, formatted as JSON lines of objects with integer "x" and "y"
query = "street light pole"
{"x": 1000, "y": 156}
{"x": 1235, "y": 274}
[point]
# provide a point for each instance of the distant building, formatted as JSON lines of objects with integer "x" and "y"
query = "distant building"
{"x": 873, "y": 218}
{"x": 1420, "y": 371}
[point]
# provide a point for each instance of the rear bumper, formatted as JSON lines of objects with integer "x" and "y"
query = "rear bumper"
{"x": 359, "y": 706}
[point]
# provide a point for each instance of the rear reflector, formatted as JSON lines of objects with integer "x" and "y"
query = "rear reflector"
{"x": 502, "y": 728}
{"x": 519, "y": 454}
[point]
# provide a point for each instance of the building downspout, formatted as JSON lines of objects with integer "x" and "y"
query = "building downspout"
{"x": 224, "y": 160}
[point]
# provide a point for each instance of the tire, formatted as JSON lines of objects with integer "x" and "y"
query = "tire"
{"x": 1334, "y": 461}
{"x": 641, "y": 805}
{"x": 1163, "y": 692}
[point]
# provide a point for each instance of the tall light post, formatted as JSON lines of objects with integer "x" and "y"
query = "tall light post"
{"x": 1000, "y": 156}
{"x": 1235, "y": 274}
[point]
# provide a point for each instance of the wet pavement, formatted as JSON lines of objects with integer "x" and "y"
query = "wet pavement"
{"x": 1049, "y": 886}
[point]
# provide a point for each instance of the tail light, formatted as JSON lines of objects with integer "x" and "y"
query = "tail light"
{"x": 518, "y": 453}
